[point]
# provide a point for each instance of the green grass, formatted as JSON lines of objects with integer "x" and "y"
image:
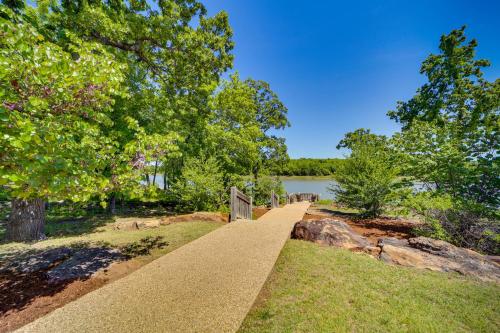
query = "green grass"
{"x": 175, "y": 235}
{"x": 322, "y": 289}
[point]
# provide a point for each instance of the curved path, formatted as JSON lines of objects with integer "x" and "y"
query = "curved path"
{"x": 208, "y": 285}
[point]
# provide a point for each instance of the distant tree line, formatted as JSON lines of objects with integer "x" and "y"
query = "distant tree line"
{"x": 310, "y": 167}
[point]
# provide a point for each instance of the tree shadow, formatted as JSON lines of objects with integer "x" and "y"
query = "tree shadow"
{"x": 27, "y": 275}
{"x": 76, "y": 226}
{"x": 334, "y": 212}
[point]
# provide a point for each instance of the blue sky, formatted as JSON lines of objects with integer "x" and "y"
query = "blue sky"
{"x": 341, "y": 65}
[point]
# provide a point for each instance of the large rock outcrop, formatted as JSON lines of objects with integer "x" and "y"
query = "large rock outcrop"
{"x": 428, "y": 253}
{"x": 419, "y": 252}
{"x": 330, "y": 232}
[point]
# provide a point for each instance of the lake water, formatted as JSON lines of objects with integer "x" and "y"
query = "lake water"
{"x": 309, "y": 186}
{"x": 292, "y": 186}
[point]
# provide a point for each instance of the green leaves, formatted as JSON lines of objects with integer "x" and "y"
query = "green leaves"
{"x": 451, "y": 127}
{"x": 52, "y": 120}
{"x": 369, "y": 178}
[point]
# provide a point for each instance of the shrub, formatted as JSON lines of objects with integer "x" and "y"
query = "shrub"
{"x": 201, "y": 185}
{"x": 368, "y": 179}
{"x": 461, "y": 223}
{"x": 263, "y": 188}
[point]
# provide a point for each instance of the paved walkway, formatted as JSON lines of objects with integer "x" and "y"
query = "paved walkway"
{"x": 208, "y": 285}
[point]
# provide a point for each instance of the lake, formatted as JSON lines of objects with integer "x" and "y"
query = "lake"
{"x": 309, "y": 186}
{"x": 292, "y": 185}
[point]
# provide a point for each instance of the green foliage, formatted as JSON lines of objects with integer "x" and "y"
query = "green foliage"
{"x": 451, "y": 127}
{"x": 56, "y": 104}
{"x": 244, "y": 111}
{"x": 311, "y": 167}
{"x": 200, "y": 187}
{"x": 426, "y": 204}
{"x": 451, "y": 142}
{"x": 262, "y": 190}
{"x": 368, "y": 179}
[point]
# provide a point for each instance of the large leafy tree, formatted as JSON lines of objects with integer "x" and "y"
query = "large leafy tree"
{"x": 245, "y": 112}
{"x": 175, "y": 54}
{"x": 55, "y": 104}
{"x": 451, "y": 127}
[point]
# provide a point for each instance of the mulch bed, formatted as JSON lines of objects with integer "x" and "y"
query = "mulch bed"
{"x": 372, "y": 229}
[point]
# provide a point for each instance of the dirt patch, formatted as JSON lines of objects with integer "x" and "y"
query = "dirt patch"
{"x": 198, "y": 216}
{"x": 26, "y": 297}
{"x": 372, "y": 229}
{"x": 259, "y": 211}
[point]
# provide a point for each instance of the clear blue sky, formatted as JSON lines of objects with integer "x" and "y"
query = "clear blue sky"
{"x": 341, "y": 65}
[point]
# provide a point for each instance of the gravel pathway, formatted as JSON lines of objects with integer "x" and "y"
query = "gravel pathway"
{"x": 208, "y": 285}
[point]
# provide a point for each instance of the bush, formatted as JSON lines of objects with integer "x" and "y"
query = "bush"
{"x": 460, "y": 223}
{"x": 263, "y": 188}
{"x": 200, "y": 186}
{"x": 368, "y": 179}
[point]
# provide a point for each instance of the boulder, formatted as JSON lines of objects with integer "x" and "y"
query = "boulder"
{"x": 331, "y": 232}
{"x": 126, "y": 225}
{"x": 150, "y": 223}
{"x": 428, "y": 253}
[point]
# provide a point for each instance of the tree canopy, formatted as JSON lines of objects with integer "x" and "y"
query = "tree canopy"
{"x": 98, "y": 95}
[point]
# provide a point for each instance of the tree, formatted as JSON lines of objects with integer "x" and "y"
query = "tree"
{"x": 56, "y": 103}
{"x": 368, "y": 178}
{"x": 175, "y": 54}
{"x": 244, "y": 112}
{"x": 450, "y": 140}
{"x": 451, "y": 127}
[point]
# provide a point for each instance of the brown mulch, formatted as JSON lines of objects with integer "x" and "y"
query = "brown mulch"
{"x": 198, "y": 216}
{"x": 26, "y": 297}
{"x": 372, "y": 229}
{"x": 259, "y": 211}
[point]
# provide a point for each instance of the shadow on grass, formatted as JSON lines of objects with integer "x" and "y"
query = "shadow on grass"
{"x": 76, "y": 227}
{"x": 30, "y": 274}
{"x": 26, "y": 275}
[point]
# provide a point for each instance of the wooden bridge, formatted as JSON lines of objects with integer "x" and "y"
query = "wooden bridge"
{"x": 242, "y": 204}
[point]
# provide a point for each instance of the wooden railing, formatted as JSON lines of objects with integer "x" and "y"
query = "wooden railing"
{"x": 275, "y": 200}
{"x": 241, "y": 205}
{"x": 297, "y": 197}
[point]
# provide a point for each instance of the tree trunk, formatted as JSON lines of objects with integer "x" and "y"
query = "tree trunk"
{"x": 165, "y": 181}
{"x": 26, "y": 221}
{"x": 154, "y": 175}
{"x": 112, "y": 204}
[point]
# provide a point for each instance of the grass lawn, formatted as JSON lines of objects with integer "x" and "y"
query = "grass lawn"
{"x": 100, "y": 231}
{"x": 321, "y": 289}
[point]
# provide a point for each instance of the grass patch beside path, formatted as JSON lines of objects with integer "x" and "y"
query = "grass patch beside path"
{"x": 321, "y": 289}
{"x": 176, "y": 235}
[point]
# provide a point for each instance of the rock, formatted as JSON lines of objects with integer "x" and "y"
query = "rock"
{"x": 331, "y": 232}
{"x": 83, "y": 263}
{"x": 427, "y": 253}
{"x": 126, "y": 225}
{"x": 153, "y": 223}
